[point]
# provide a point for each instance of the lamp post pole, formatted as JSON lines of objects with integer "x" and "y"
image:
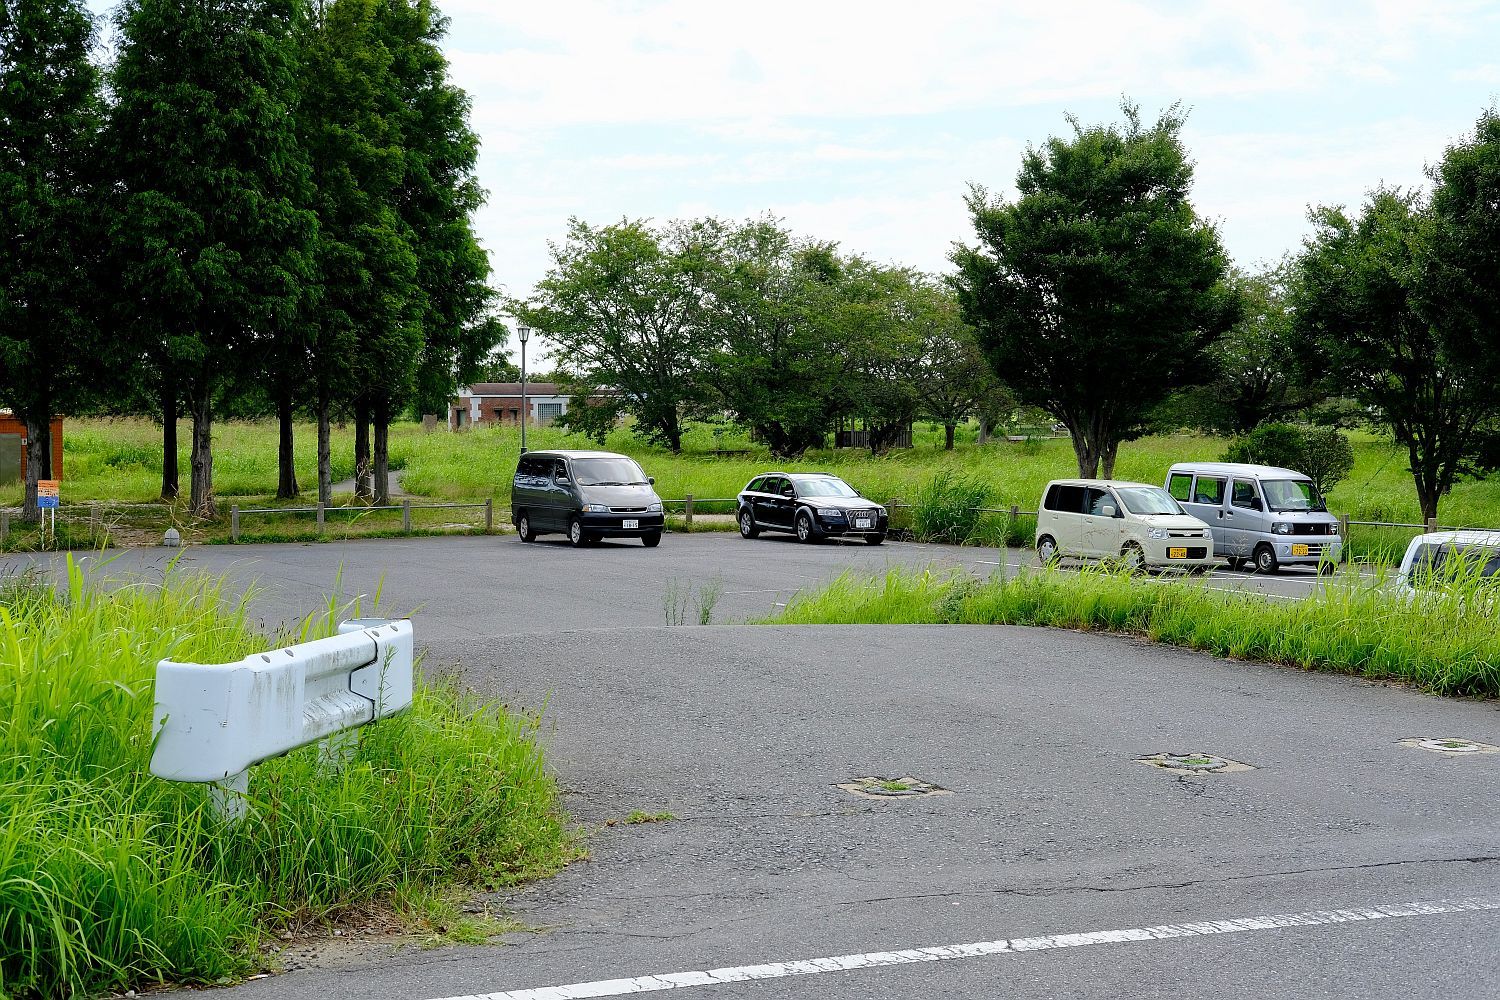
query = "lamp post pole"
{"x": 524, "y": 332}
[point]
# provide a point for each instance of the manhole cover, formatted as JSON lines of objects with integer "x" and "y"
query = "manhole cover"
{"x": 1193, "y": 763}
{"x": 892, "y": 788}
{"x": 1452, "y": 748}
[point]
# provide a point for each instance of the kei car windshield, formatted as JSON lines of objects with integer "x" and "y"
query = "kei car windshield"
{"x": 824, "y": 487}
{"x": 1147, "y": 500}
{"x": 608, "y": 472}
{"x": 1291, "y": 495}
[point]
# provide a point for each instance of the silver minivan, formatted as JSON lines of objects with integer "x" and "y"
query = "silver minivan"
{"x": 1259, "y": 514}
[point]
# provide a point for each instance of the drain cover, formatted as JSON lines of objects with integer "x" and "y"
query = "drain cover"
{"x": 1452, "y": 748}
{"x": 892, "y": 788}
{"x": 1193, "y": 763}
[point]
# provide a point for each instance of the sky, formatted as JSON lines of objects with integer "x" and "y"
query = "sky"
{"x": 866, "y": 122}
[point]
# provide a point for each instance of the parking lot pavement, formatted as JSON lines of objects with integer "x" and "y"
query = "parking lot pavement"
{"x": 1072, "y": 868}
{"x": 451, "y": 584}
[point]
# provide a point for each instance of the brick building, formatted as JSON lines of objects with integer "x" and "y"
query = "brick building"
{"x": 13, "y": 448}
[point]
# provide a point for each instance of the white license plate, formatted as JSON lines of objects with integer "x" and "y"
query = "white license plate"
{"x": 630, "y": 523}
{"x": 862, "y": 522}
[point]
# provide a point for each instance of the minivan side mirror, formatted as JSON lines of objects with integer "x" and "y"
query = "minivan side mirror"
{"x": 564, "y": 481}
{"x": 650, "y": 480}
{"x": 1108, "y": 510}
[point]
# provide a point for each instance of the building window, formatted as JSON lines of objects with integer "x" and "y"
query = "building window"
{"x": 549, "y": 411}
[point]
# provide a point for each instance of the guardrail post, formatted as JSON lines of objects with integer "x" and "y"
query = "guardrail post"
{"x": 234, "y": 523}
{"x": 322, "y": 515}
{"x": 489, "y": 515}
{"x": 1431, "y": 525}
{"x": 1344, "y": 526}
{"x": 406, "y": 515}
{"x": 687, "y": 513}
{"x": 4, "y": 526}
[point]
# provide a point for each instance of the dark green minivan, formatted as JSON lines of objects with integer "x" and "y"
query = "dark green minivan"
{"x": 586, "y": 495}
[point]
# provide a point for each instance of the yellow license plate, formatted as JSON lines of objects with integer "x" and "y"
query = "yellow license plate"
{"x": 1299, "y": 550}
{"x": 1176, "y": 552}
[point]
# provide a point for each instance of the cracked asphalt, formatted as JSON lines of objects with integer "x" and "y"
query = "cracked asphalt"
{"x": 1053, "y": 827}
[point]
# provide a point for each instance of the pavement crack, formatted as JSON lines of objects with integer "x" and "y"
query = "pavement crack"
{"x": 1184, "y": 884}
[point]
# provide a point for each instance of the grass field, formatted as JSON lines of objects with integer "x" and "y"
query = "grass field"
{"x": 111, "y": 879}
{"x": 1444, "y": 642}
{"x": 120, "y": 461}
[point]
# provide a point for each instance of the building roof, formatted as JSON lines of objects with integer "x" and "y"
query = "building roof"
{"x": 511, "y": 389}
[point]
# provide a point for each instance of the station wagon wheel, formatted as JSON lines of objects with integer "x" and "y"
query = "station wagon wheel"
{"x": 874, "y": 539}
{"x": 805, "y": 527}
{"x": 1265, "y": 559}
{"x": 576, "y": 537}
{"x": 1046, "y": 550}
{"x": 523, "y": 527}
{"x": 748, "y": 528}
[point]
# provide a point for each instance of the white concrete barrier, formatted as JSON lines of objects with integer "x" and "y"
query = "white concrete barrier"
{"x": 213, "y": 722}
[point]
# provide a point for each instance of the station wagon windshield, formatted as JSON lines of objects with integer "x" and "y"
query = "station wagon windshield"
{"x": 1147, "y": 500}
{"x": 608, "y": 472}
{"x": 1291, "y": 494}
{"x": 829, "y": 487}
{"x": 1437, "y": 565}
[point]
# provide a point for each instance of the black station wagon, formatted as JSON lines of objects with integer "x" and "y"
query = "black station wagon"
{"x": 811, "y": 505}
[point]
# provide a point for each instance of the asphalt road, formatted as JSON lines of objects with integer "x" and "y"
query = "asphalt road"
{"x": 1051, "y": 827}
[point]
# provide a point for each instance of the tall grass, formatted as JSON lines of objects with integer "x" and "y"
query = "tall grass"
{"x": 1447, "y": 642}
{"x": 112, "y": 879}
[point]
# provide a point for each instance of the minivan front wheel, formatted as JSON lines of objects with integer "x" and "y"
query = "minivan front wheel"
{"x": 524, "y": 529}
{"x": 651, "y": 539}
{"x": 576, "y": 537}
{"x": 1265, "y": 559}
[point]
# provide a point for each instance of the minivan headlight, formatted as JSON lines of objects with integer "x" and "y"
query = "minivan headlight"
{"x": 654, "y": 507}
{"x": 595, "y": 508}
{"x": 1282, "y": 528}
{"x": 1157, "y": 533}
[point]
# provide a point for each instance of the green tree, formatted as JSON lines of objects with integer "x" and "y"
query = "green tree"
{"x": 1256, "y": 376}
{"x": 1098, "y": 290}
{"x": 621, "y": 304}
{"x": 451, "y": 329}
{"x": 210, "y": 231}
{"x": 1364, "y": 317}
{"x": 50, "y": 115}
{"x": 953, "y": 379}
{"x": 1461, "y": 270}
{"x": 1320, "y": 453}
{"x": 771, "y": 305}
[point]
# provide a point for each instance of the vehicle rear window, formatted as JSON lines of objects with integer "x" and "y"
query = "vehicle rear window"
{"x": 1067, "y": 499}
{"x": 756, "y": 485}
{"x": 1209, "y": 489}
{"x": 1180, "y": 485}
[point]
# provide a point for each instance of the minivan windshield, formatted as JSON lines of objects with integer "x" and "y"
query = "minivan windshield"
{"x": 1147, "y": 500}
{"x": 824, "y": 487}
{"x": 1291, "y": 494}
{"x": 608, "y": 472}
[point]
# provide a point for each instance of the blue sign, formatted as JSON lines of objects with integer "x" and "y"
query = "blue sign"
{"x": 48, "y": 502}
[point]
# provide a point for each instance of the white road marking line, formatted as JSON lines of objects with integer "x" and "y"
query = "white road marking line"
{"x": 1013, "y": 946}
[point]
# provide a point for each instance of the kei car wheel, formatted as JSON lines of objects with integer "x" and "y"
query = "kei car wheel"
{"x": 1265, "y": 560}
{"x": 1046, "y": 550}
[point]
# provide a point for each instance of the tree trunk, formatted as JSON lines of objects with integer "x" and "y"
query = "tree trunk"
{"x": 171, "y": 480}
{"x": 948, "y": 430}
{"x": 362, "y": 484}
{"x": 286, "y": 485}
{"x": 201, "y": 492}
{"x": 325, "y": 450}
{"x": 1087, "y": 454}
{"x": 1108, "y": 458}
{"x": 382, "y": 414}
{"x": 38, "y": 460}
{"x": 984, "y": 430}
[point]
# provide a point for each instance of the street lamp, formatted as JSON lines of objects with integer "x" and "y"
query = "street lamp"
{"x": 524, "y": 332}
